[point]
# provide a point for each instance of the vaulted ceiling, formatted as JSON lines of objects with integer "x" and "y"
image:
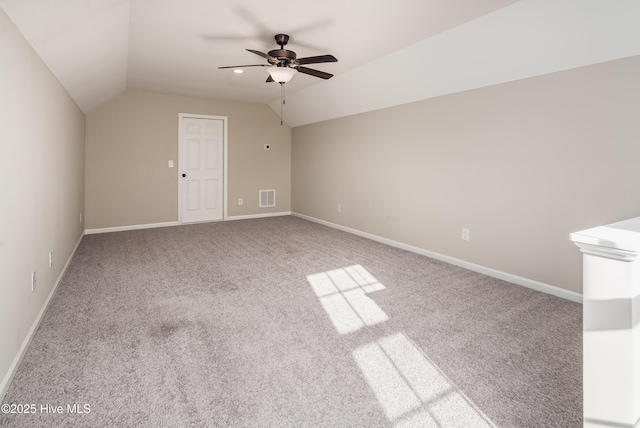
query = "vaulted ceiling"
{"x": 389, "y": 51}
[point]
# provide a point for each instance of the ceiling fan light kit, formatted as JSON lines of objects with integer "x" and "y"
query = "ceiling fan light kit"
{"x": 281, "y": 74}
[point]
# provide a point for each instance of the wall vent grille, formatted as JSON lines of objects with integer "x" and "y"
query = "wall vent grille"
{"x": 267, "y": 198}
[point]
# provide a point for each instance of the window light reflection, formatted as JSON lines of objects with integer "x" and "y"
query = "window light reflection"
{"x": 342, "y": 294}
{"x": 411, "y": 390}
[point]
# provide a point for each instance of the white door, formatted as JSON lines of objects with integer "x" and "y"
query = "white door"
{"x": 201, "y": 169}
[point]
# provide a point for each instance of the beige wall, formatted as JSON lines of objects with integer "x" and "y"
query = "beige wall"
{"x": 42, "y": 190}
{"x": 130, "y": 139}
{"x": 520, "y": 164}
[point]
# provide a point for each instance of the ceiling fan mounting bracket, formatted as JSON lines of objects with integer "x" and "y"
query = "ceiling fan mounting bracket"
{"x": 282, "y": 39}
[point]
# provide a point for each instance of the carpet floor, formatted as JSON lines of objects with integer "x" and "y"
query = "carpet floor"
{"x": 281, "y": 322}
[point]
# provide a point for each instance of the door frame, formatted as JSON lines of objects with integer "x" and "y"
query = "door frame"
{"x": 224, "y": 159}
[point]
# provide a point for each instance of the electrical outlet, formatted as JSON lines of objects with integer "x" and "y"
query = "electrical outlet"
{"x": 33, "y": 281}
{"x": 170, "y": 164}
{"x": 465, "y": 234}
{"x": 240, "y": 201}
{"x": 339, "y": 208}
{"x": 50, "y": 259}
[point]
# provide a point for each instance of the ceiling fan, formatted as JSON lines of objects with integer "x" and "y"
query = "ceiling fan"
{"x": 283, "y": 63}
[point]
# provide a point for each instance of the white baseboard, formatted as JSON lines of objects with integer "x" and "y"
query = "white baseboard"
{"x": 176, "y": 223}
{"x": 251, "y": 216}
{"x": 4, "y": 386}
{"x": 525, "y": 282}
{"x": 131, "y": 227}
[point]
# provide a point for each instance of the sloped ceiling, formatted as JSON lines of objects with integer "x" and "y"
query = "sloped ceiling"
{"x": 389, "y": 52}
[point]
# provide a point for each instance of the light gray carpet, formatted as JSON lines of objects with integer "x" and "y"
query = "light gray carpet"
{"x": 283, "y": 322}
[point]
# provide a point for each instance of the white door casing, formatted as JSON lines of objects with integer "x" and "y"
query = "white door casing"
{"x": 202, "y": 166}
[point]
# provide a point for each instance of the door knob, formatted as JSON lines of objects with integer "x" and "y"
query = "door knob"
{"x": 184, "y": 175}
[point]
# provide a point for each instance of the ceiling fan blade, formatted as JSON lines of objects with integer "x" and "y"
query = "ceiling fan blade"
{"x": 240, "y": 66}
{"x": 263, "y": 55}
{"x": 316, "y": 59}
{"x": 315, "y": 73}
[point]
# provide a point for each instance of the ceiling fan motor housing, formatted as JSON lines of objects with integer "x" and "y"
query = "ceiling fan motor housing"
{"x": 283, "y": 55}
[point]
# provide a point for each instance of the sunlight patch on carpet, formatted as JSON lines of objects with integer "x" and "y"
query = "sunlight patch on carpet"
{"x": 411, "y": 389}
{"x": 342, "y": 294}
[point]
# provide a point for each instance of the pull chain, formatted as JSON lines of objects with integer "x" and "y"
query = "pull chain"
{"x": 282, "y": 102}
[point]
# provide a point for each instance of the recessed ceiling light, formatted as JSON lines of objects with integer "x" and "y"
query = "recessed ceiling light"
{"x": 238, "y": 71}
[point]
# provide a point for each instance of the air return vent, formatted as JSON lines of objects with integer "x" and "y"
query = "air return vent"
{"x": 267, "y": 198}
